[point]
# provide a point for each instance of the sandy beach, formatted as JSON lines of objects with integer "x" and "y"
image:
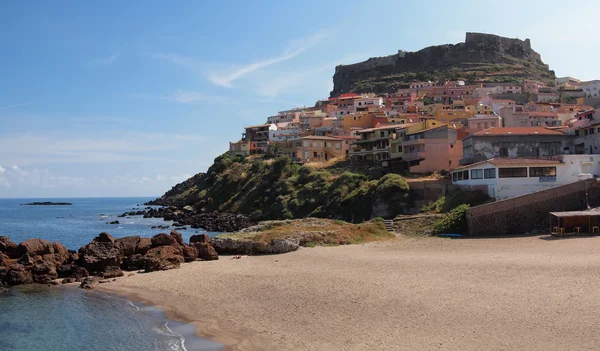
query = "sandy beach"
{"x": 526, "y": 293}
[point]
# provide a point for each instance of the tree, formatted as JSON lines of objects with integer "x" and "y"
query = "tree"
{"x": 273, "y": 149}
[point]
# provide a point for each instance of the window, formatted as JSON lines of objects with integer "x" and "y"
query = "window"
{"x": 542, "y": 171}
{"x": 515, "y": 172}
{"x": 314, "y": 154}
{"x": 306, "y": 143}
{"x": 382, "y": 134}
{"x": 477, "y": 174}
{"x": 489, "y": 173}
{"x": 461, "y": 175}
{"x": 338, "y": 145}
{"x": 503, "y": 152}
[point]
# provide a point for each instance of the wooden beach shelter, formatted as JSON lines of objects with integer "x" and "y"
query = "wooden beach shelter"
{"x": 575, "y": 222}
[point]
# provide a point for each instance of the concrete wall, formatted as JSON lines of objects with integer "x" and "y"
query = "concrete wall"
{"x": 426, "y": 191}
{"x": 530, "y": 213}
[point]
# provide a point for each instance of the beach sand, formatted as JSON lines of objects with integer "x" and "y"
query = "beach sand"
{"x": 523, "y": 293}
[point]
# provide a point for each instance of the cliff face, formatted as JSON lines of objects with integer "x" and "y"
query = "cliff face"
{"x": 481, "y": 58}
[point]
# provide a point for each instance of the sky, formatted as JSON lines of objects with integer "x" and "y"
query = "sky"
{"x": 128, "y": 98}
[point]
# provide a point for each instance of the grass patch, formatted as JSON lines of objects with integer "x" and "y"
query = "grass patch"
{"x": 311, "y": 232}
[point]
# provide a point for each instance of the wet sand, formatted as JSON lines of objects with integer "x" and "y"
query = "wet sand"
{"x": 524, "y": 293}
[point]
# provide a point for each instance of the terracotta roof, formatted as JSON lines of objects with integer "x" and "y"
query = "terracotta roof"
{"x": 543, "y": 114}
{"x": 495, "y": 131}
{"x": 389, "y": 126}
{"x": 317, "y": 137}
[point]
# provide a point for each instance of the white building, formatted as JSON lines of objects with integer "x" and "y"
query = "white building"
{"x": 591, "y": 88}
{"x": 285, "y": 116}
{"x": 502, "y": 178}
{"x": 364, "y": 103}
{"x": 279, "y": 135}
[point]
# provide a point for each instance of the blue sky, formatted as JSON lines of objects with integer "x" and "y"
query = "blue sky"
{"x": 127, "y": 98}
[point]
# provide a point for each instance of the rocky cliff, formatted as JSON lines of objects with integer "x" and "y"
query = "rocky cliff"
{"x": 481, "y": 58}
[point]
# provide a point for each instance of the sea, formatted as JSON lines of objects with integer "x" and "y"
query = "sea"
{"x": 35, "y": 317}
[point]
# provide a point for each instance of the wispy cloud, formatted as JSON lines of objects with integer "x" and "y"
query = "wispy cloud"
{"x": 293, "y": 49}
{"x": 187, "y": 97}
{"x": 225, "y": 76}
{"x": 103, "y": 61}
{"x": 16, "y": 105}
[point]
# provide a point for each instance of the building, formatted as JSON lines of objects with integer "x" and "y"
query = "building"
{"x": 363, "y": 104}
{"x": 357, "y": 120}
{"x": 546, "y": 95}
{"x": 280, "y": 135}
{"x": 448, "y": 115}
{"x": 373, "y": 144}
{"x": 446, "y": 94}
{"x": 258, "y": 135}
{"x": 591, "y": 88}
{"x": 243, "y": 148}
{"x": 285, "y": 116}
{"x": 515, "y": 142}
{"x": 427, "y": 150}
{"x": 320, "y": 148}
{"x": 532, "y": 86}
{"x": 480, "y": 122}
{"x": 543, "y": 119}
{"x": 503, "y": 178}
{"x": 514, "y": 116}
{"x": 504, "y": 88}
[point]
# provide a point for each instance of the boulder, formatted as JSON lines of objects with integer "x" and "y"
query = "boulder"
{"x": 178, "y": 237}
{"x": 36, "y": 247}
{"x": 71, "y": 270}
{"x": 144, "y": 246}
{"x": 127, "y": 245}
{"x": 90, "y": 283}
{"x": 163, "y": 258}
{"x": 3, "y": 290}
{"x": 133, "y": 263}
{"x": 190, "y": 253}
{"x": 68, "y": 280}
{"x": 43, "y": 272}
{"x": 99, "y": 254}
{"x": 163, "y": 239}
{"x": 206, "y": 251}
{"x": 3, "y": 259}
{"x": 200, "y": 238}
{"x": 112, "y": 272}
{"x": 17, "y": 275}
{"x": 241, "y": 246}
{"x": 8, "y": 247}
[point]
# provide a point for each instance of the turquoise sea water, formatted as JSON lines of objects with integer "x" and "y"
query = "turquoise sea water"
{"x": 67, "y": 318}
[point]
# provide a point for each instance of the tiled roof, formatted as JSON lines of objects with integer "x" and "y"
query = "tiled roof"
{"x": 495, "y": 131}
{"x": 317, "y": 137}
{"x": 543, "y": 114}
{"x": 389, "y": 126}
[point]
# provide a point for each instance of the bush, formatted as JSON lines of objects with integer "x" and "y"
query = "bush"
{"x": 454, "y": 222}
{"x": 454, "y": 199}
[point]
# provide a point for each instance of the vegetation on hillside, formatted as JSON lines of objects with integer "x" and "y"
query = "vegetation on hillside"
{"x": 315, "y": 232}
{"x": 454, "y": 199}
{"x": 455, "y": 222}
{"x": 278, "y": 189}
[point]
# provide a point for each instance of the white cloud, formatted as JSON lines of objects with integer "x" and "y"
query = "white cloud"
{"x": 16, "y": 105}
{"x": 2, "y": 170}
{"x": 224, "y": 76}
{"x": 103, "y": 61}
{"x": 187, "y": 97}
{"x": 293, "y": 49}
{"x": 161, "y": 177}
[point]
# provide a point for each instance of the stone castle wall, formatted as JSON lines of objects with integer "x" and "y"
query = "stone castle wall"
{"x": 530, "y": 213}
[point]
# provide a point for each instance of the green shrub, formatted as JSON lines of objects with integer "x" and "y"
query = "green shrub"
{"x": 455, "y": 222}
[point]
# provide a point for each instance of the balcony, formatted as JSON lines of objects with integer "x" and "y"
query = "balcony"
{"x": 414, "y": 156}
{"x": 406, "y": 143}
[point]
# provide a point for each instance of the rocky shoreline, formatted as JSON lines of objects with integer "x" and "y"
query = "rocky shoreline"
{"x": 188, "y": 216}
{"x": 44, "y": 262}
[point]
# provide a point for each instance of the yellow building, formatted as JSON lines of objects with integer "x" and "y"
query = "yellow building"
{"x": 479, "y": 109}
{"x": 321, "y": 148}
{"x": 443, "y": 115}
{"x": 357, "y": 120}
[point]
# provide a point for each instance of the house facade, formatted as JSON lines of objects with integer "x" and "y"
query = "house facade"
{"x": 503, "y": 178}
{"x": 515, "y": 142}
{"x": 373, "y": 144}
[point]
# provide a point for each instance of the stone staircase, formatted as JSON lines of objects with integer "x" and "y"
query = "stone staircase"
{"x": 389, "y": 225}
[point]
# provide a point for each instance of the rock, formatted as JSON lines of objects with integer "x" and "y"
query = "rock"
{"x": 206, "y": 251}
{"x": 99, "y": 254}
{"x": 127, "y": 245}
{"x": 241, "y": 246}
{"x": 134, "y": 262}
{"x": 144, "y": 246}
{"x": 8, "y": 247}
{"x": 3, "y": 290}
{"x": 112, "y": 272}
{"x": 44, "y": 272}
{"x": 163, "y": 239}
{"x": 3, "y": 259}
{"x": 68, "y": 280}
{"x": 89, "y": 283}
{"x": 178, "y": 237}
{"x": 71, "y": 271}
{"x": 163, "y": 258}
{"x": 104, "y": 238}
{"x": 26, "y": 260}
{"x": 17, "y": 275}
{"x": 113, "y": 222}
{"x": 188, "y": 208}
{"x": 190, "y": 253}
{"x": 36, "y": 247}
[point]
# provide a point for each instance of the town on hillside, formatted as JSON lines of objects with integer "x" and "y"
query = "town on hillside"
{"x": 506, "y": 139}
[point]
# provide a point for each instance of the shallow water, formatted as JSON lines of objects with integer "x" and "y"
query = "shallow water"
{"x": 35, "y": 317}
{"x": 67, "y": 318}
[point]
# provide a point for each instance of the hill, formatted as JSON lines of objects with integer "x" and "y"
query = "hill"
{"x": 481, "y": 58}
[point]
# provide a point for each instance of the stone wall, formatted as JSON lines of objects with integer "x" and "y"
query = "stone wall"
{"x": 426, "y": 191}
{"x": 530, "y": 213}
